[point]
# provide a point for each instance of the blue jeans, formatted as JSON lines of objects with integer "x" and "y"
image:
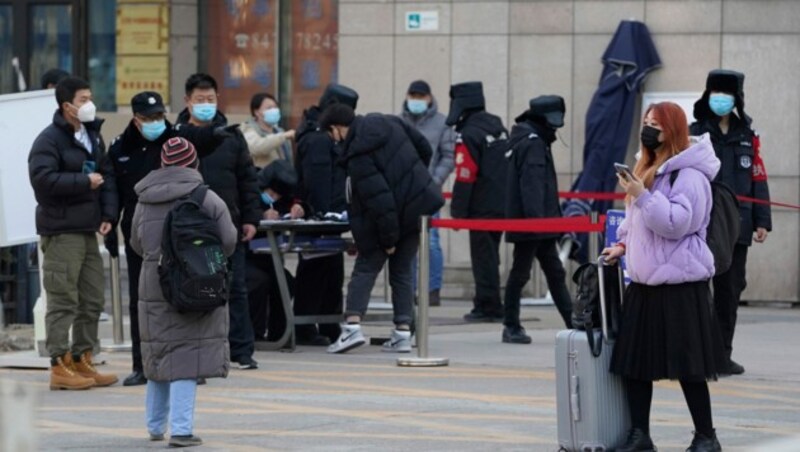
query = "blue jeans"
{"x": 176, "y": 399}
{"x": 436, "y": 261}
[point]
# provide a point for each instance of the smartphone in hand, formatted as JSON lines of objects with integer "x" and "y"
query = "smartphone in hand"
{"x": 623, "y": 170}
{"x": 89, "y": 167}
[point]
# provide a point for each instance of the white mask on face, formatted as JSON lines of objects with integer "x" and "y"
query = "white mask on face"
{"x": 87, "y": 111}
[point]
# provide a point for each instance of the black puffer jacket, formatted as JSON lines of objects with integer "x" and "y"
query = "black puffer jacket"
{"x": 532, "y": 183}
{"x": 66, "y": 201}
{"x": 480, "y": 186}
{"x": 321, "y": 180}
{"x": 387, "y": 163}
{"x": 742, "y": 169}
{"x": 230, "y": 173}
{"x": 133, "y": 157}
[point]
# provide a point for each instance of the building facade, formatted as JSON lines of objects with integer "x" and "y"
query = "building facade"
{"x": 517, "y": 48}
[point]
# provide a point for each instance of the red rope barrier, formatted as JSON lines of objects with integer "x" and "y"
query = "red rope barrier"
{"x": 574, "y": 195}
{"x": 558, "y": 224}
{"x": 605, "y": 196}
{"x": 771, "y": 203}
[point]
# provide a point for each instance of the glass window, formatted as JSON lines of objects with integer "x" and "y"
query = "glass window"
{"x": 50, "y": 40}
{"x": 241, "y": 46}
{"x": 102, "y": 51}
{"x": 313, "y": 55}
{"x": 7, "y": 82}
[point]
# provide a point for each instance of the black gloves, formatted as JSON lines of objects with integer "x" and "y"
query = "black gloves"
{"x": 223, "y": 132}
{"x": 112, "y": 243}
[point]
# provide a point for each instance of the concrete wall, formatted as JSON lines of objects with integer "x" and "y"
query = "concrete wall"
{"x": 520, "y": 49}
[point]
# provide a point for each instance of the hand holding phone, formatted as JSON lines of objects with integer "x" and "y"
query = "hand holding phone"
{"x": 623, "y": 170}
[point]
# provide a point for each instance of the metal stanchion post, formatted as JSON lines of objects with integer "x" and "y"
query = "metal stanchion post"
{"x": 119, "y": 344}
{"x": 422, "y": 359}
{"x": 594, "y": 238}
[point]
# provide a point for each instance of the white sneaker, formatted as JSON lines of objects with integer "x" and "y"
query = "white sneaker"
{"x": 399, "y": 342}
{"x": 350, "y": 338}
{"x": 104, "y": 317}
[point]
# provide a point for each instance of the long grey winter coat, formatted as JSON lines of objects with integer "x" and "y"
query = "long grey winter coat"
{"x": 176, "y": 346}
{"x": 441, "y": 137}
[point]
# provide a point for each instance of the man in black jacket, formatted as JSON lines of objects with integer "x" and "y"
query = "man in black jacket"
{"x": 321, "y": 182}
{"x": 390, "y": 188}
{"x": 738, "y": 147}
{"x": 479, "y": 191}
{"x": 230, "y": 173}
{"x": 74, "y": 187}
{"x": 133, "y": 154}
{"x": 533, "y": 193}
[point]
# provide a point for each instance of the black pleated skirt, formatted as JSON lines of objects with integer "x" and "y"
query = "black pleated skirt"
{"x": 669, "y": 332}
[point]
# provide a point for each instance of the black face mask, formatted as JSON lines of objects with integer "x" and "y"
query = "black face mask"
{"x": 650, "y": 138}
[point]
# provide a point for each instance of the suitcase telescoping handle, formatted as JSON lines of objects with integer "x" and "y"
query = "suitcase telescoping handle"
{"x": 601, "y": 264}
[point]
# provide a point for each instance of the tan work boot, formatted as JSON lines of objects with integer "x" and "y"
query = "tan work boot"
{"x": 63, "y": 376}
{"x": 85, "y": 368}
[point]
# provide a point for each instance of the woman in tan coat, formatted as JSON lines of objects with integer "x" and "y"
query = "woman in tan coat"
{"x": 177, "y": 348}
{"x": 265, "y": 139}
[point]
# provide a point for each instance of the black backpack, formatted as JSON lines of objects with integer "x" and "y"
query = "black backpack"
{"x": 723, "y": 228}
{"x": 586, "y": 314}
{"x": 193, "y": 269}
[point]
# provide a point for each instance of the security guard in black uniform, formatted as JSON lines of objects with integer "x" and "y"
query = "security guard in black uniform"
{"x": 321, "y": 184}
{"x": 135, "y": 153}
{"x": 479, "y": 190}
{"x": 533, "y": 193}
{"x": 738, "y": 147}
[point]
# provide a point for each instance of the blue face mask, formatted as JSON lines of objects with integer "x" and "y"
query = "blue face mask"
{"x": 417, "y": 106}
{"x": 721, "y": 104}
{"x": 267, "y": 199}
{"x": 152, "y": 130}
{"x": 204, "y": 112}
{"x": 272, "y": 116}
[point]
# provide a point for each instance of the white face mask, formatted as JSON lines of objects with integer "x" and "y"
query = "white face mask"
{"x": 87, "y": 111}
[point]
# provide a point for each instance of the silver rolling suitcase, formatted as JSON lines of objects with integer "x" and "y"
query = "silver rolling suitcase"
{"x": 592, "y": 408}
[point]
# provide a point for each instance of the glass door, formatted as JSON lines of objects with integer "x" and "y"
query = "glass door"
{"x": 36, "y": 36}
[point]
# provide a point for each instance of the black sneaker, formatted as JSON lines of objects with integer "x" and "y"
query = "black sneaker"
{"x": 638, "y": 441}
{"x": 735, "y": 368}
{"x": 247, "y": 363}
{"x": 136, "y": 378}
{"x": 434, "y": 298}
{"x": 184, "y": 441}
{"x": 703, "y": 443}
{"x": 515, "y": 335}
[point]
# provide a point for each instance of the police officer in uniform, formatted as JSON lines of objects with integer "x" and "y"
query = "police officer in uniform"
{"x": 321, "y": 184}
{"x": 479, "y": 190}
{"x": 738, "y": 147}
{"x": 135, "y": 153}
{"x": 533, "y": 193}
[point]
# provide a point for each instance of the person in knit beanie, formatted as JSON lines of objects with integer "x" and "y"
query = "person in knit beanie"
{"x": 178, "y": 348}
{"x": 178, "y": 151}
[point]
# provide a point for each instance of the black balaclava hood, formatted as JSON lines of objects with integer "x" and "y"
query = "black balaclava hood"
{"x": 335, "y": 93}
{"x": 464, "y": 97}
{"x": 726, "y": 81}
{"x": 548, "y": 110}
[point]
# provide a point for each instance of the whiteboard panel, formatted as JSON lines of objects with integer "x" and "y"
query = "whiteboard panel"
{"x": 22, "y": 117}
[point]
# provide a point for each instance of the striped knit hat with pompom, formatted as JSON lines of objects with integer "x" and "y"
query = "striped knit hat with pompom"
{"x": 178, "y": 151}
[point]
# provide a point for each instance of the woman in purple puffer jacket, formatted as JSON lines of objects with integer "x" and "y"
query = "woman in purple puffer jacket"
{"x": 668, "y": 329}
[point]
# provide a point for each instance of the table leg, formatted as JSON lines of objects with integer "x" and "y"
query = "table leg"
{"x": 286, "y": 300}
